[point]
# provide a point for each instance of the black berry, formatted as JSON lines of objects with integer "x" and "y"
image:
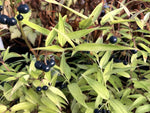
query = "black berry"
{"x": 4, "y": 19}
{"x": 38, "y": 88}
{"x": 102, "y": 13}
{"x": 45, "y": 68}
{"x": 104, "y": 111}
{"x": 19, "y": 17}
{"x": 125, "y": 62}
{"x": 108, "y": 111}
{"x": 117, "y": 60}
{"x": 23, "y": 8}
{"x": 45, "y": 88}
{"x": 97, "y": 111}
{"x": 12, "y": 21}
{"x": 113, "y": 39}
{"x": 51, "y": 63}
{"x": 1, "y": 7}
{"x": 134, "y": 51}
{"x": 38, "y": 65}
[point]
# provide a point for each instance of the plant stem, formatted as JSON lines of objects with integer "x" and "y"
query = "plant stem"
{"x": 26, "y": 40}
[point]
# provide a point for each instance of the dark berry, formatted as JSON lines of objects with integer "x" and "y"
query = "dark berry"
{"x": 38, "y": 88}
{"x": 19, "y": 17}
{"x": 97, "y": 111}
{"x": 134, "y": 51}
{"x": 102, "y": 13}
{"x": 51, "y": 63}
{"x": 4, "y": 19}
{"x": 99, "y": 106}
{"x": 113, "y": 39}
{"x": 1, "y": 7}
{"x": 45, "y": 88}
{"x": 104, "y": 111}
{"x": 23, "y": 8}
{"x": 38, "y": 65}
{"x": 125, "y": 62}
{"x": 12, "y": 21}
{"x": 117, "y": 60}
{"x": 45, "y": 67}
{"x": 108, "y": 111}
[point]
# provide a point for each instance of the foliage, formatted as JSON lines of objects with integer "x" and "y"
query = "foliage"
{"x": 89, "y": 71}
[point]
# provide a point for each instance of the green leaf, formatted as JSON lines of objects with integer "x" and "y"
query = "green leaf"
{"x": 52, "y": 34}
{"x": 22, "y": 106}
{"x": 96, "y": 12}
{"x": 46, "y": 101}
{"x": 54, "y": 98}
{"x": 65, "y": 69}
{"x": 144, "y": 47}
{"x": 77, "y": 94}
{"x": 124, "y": 74}
{"x": 85, "y": 23}
{"x": 108, "y": 69}
{"x": 117, "y": 106}
{"x": 99, "y": 88}
{"x": 104, "y": 59}
{"x": 36, "y": 27}
{"x": 89, "y": 110}
{"x": 32, "y": 95}
{"x": 66, "y": 37}
{"x": 140, "y": 100}
{"x": 3, "y": 108}
{"x": 15, "y": 33}
{"x": 109, "y": 16}
{"x": 53, "y": 48}
{"x": 121, "y": 21}
{"x": 61, "y": 28}
{"x": 73, "y": 11}
{"x": 99, "y": 47}
{"x": 143, "y": 109}
{"x": 58, "y": 92}
{"x": 80, "y": 33}
{"x": 139, "y": 22}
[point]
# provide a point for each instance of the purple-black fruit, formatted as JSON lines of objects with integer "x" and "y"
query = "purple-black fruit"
{"x": 134, "y": 51}
{"x": 97, "y": 111}
{"x": 23, "y": 8}
{"x": 125, "y": 62}
{"x": 19, "y": 17}
{"x": 1, "y": 7}
{"x": 45, "y": 88}
{"x": 51, "y": 63}
{"x": 4, "y": 19}
{"x": 38, "y": 88}
{"x": 113, "y": 39}
{"x": 12, "y": 21}
{"x": 38, "y": 65}
{"x": 45, "y": 67}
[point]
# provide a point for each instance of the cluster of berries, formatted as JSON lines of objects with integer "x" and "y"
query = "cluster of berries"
{"x": 23, "y": 8}
{"x": 45, "y": 66}
{"x": 101, "y": 110}
{"x": 42, "y": 88}
{"x": 4, "y": 19}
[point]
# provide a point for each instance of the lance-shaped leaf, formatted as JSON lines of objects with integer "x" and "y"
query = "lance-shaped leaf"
{"x": 117, "y": 106}
{"x": 61, "y": 28}
{"x": 77, "y": 93}
{"x": 99, "y": 88}
{"x": 53, "y": 48}
{"x": 22, "y": 106}
{"x": 36, "y": 27}
{"x": 65, "y": 69}
{"x": 100, "y": 47}
{"x": 109, "y": 16}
